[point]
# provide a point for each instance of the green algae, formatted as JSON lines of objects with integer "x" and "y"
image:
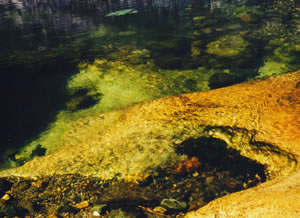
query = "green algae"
{"x": 228, "y": 46}
{"x": 272, "y": 68}
{"x": 114, "y": 84}
{"x": 283, "y": 56}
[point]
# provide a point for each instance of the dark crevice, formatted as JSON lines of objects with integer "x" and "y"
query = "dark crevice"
{"x": 213, "y": 152}
{"x": 208, "y": 170}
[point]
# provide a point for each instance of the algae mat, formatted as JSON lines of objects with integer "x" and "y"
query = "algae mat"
{"x": 259, "y": 118}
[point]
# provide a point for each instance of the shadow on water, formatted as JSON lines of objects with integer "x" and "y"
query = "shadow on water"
{"x": 41, "y": 44}
{"x": 30, "y": 100}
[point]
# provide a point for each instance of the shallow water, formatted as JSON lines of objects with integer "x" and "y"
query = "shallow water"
{"x": 168, "y": 47}
{"x": 64, "y": 62}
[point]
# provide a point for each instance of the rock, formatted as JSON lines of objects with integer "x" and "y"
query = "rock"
{"x": 131, "y": 130}
{"x": 173, "y": 204}
{"x": 260, "y": 119}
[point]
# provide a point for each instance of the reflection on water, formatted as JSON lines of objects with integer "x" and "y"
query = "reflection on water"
{"x": 72, "y": 16}
{"x": 169, "y": 47}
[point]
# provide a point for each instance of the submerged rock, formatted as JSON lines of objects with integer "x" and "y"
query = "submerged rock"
{"x": 228, "y": 46}
{"x": 250, "y": 18}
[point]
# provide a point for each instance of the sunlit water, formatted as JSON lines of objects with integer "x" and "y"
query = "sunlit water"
{"x": 190, "y": 45}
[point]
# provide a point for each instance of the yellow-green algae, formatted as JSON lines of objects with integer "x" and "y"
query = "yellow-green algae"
{"x": 284, "y": 57}
{"x": 113, "y": 84}
{"x": 228, "y": 46}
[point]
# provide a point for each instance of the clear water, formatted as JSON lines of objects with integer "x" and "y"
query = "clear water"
{"x": 190, "y": 46}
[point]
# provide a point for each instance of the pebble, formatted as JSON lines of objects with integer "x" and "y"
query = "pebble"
{"x": 82, "y": 205}
{"x": 5, "y": 197}
{"x": 96, "y": 213}
{"x": 159, "y": 209}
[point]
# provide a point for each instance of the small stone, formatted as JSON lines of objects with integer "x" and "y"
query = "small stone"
{"x": 160, "y": 209}
{"x": 82, "y": 205}
{"x": 173, "y": 204}
{"x": 195, "y": 174}
{"x": 96, "y": 213}
{"x": 5, "y": 197}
